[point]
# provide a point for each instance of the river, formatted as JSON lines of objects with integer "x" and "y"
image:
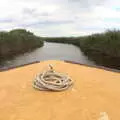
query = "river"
{"x": 50, "y": 51}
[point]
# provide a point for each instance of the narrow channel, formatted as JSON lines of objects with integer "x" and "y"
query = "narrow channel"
{"x": 50, "y": 51}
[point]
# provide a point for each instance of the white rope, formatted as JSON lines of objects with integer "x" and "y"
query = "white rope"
{"x": 51, "y": 80}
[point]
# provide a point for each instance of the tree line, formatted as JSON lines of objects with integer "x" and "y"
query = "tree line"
{"x": 18, "y": 41}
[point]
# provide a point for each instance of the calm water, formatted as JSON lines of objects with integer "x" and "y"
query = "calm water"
{"x": 49, "y": 51}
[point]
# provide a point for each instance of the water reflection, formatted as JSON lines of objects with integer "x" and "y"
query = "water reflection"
{"x": 49, "y": 51}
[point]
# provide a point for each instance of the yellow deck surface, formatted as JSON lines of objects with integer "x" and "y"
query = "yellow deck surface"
{"x": 94, "y": 91}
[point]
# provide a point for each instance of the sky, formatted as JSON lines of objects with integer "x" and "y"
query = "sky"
{"x": 55, "y": 18}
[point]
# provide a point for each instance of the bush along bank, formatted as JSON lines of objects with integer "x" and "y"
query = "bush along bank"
{"x": 103, "y": 48}
{"x": 18, "y": 41}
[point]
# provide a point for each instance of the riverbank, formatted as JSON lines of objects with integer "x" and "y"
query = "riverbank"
{"x": 18, "y": 41}
{"x": 103, "y": 48}
{"x": 92, "y": 95}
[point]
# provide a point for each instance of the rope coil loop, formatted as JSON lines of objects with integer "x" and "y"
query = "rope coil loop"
{"x": 52, "y": 80}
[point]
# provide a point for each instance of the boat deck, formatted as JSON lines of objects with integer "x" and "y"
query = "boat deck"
{"x": 95, "y": 94}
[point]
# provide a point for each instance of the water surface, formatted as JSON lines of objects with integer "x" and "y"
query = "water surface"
{"x": 50, "y": 51}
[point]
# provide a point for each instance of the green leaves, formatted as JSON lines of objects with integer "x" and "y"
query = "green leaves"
{"x": 18, "y": 41}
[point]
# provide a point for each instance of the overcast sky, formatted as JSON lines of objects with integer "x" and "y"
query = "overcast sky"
{"x": 60, "y": 17}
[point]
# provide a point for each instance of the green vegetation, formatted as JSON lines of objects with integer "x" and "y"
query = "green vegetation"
{"x": 103, "y": 48}
{"x": 68, "y": 40}
{"x": 18, "y": 41}
{"x": 107, "y": 43}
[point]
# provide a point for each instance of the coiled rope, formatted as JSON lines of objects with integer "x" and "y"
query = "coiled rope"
{"x": 52, "y": 80}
